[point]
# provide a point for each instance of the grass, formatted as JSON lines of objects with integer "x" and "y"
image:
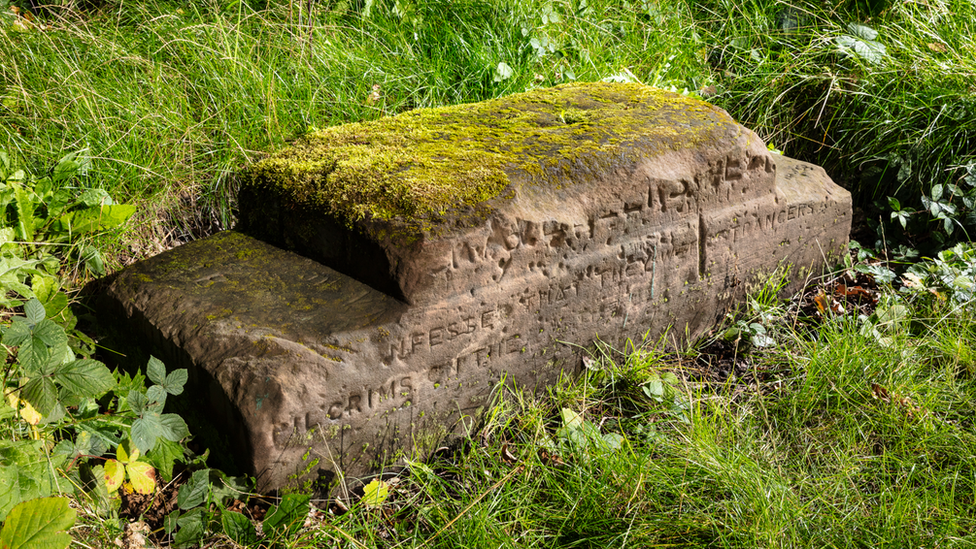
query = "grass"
{"x": 170, "y": 100}
{"x": 850, "y": 437}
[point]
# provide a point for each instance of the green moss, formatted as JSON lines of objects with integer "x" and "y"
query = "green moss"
{"x": 435, "y": 167}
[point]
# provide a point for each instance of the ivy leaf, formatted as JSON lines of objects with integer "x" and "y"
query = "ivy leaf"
{"x": 38, "y": 524}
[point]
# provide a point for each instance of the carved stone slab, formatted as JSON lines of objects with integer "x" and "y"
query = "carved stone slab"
{"x": 655, "y": 227}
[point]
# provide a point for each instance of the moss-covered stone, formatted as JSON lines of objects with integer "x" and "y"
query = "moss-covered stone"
{"x": 423, "y": 167}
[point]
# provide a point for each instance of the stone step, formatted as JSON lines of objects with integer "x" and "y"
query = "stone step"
{"x": 392, "y": 329}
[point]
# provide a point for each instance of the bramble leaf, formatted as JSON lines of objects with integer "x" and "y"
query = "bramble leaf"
{"x": 114, "y": 475}
{"x": 38, "y": 524}
{"x": 143, "y": 476}
{"x": 156, "y": 371}
{"x": 41, "y": 394}
{"x": 85, "y": 378}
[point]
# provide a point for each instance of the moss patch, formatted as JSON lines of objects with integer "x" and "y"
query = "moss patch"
{"x": 419, "y": 167}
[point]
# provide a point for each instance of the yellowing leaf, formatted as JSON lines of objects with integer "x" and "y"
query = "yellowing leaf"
{"x": 143, "y": 477}
{"x": 127, "y": 456}
{"x": 114, "y": 475}
{"x": 375, "y": 493}
{"x": 29, "y": 414}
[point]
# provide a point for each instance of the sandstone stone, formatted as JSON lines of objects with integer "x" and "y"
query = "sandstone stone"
{"x": 445, "y": 250}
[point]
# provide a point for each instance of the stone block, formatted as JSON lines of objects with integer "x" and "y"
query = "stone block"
{"x": 433, "y": 254}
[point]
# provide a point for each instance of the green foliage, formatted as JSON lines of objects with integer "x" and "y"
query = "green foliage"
{"x": 882, "y": 101}
{"x": 45, "y": 212}
{"x": 38, "y": 524}
{"x": 278, "y": 526}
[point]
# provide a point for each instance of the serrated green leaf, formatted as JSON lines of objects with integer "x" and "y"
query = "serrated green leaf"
{"x": 173, "y": 427}
{"x": 9, "y": 489}
{"x": 49, "y": 332}
{"x": 156, "y": 371}
{"x": 93, "y": 259}
{"x": 195, "y": 491}
{"x": 171, "y": 521}
{"x": 85, "y": 378}
{"x": 17, "y": 333}
{"x": 41, "y": 394}
{"x": 175, "y": 381}
{"x": 151, "y": 425}
{"x": 95, "y": 197}
{"x": 156, "y": 396}
{"x": 226, "y": 489}
{"x": 145, "y": 430}
{"x": 127, "y": 452}
{"x": 862, "y": 31}
{"x": 38, "y": 524}
{"x": 163, "y": 455}
{"x": 27, "y": 475}
{"x": 136, "y": 401}
{"x": 238, "y": 528}
{"x": 34, "y": 311}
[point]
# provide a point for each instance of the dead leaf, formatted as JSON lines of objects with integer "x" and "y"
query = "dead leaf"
{"x": 877, "y": 391}
{"x": 548, "y": 458}
{"x": 938, "y": 46}
{"x": 507, "y": 456}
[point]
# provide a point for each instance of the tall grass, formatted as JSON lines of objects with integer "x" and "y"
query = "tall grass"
{"x": 170, "y": 99}
{"x": 889, "y": 124}
{"x": 868, "y": 442}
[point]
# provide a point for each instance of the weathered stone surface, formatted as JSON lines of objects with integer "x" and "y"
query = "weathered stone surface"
{"x": 655, "y": 223}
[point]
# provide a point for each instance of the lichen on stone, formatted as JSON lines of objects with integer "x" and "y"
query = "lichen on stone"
{"x": 419, "y": 166}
